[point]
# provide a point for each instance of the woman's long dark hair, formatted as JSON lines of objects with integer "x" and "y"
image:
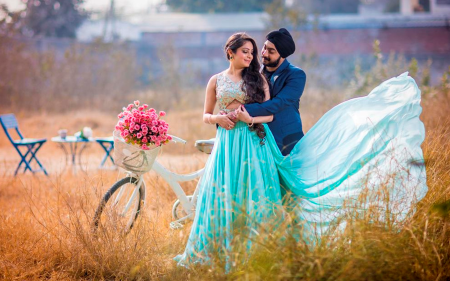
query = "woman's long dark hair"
{"x": 253, "y": 84}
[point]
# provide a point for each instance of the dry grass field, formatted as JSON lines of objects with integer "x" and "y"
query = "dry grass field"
{"x": 45, "y": 221}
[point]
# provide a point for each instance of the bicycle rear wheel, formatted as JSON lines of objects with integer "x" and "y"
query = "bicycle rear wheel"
{"x": 120, "y": 206}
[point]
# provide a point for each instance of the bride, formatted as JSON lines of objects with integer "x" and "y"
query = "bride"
{"x": 356, "y": 149}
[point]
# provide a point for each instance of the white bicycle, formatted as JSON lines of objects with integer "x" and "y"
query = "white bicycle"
{"x": 122, "y": 203}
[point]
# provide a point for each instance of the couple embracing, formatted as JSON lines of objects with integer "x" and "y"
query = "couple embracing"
{"x": 261, "y": 156}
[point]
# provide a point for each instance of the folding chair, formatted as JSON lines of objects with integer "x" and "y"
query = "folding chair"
{"x": 108, "y": 145}
{"x": 9, "y": 121}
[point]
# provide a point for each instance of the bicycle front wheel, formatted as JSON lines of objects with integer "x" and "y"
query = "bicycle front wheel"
{"x": 120, "y": 206}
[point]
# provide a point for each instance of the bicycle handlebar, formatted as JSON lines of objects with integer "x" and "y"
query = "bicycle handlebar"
{"x": 177, "y": 139}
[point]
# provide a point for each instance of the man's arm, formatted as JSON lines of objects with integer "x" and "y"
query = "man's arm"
{"x": 291, "y": 93}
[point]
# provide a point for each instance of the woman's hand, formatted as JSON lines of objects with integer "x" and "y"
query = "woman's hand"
{"x": 233, "y": 116}
{"x": 243, "y": 115}
{"x": 225, "y": 122}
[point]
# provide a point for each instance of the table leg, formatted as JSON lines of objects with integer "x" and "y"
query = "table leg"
{"x": 73, "y": 151}
{"x": 63, "y": 147}
{"x": 66, "y": 154}
{"x": 79, "y": 155}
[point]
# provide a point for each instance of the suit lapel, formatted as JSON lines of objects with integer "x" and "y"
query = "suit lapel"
{"x": 277, "y": 73}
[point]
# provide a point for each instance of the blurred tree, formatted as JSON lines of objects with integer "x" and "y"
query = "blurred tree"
{"x": 217, "y": 6}
{"x": 54, "y": 18}
{"x": 393, "y": 6}
{"x": 10, "y": 22}
{"x": 294, "y": 13}
{"x": 49, "y": 18}
{"x": 292, "y": 16}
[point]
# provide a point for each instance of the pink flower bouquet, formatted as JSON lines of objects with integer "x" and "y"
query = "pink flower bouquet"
{"x": 142, "y": 126}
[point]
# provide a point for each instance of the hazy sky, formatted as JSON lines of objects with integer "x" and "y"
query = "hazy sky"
{"x": 128, "y": 6}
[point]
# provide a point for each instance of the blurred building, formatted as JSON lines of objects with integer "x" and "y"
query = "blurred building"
{"x": 417, "y": 33}
{"x": 107, "y": 31}
{"x": 419, "y": 28}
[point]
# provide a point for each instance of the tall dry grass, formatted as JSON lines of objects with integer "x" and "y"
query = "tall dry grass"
{"x": 45, "y": 229}
{"x": 45, "y": 221}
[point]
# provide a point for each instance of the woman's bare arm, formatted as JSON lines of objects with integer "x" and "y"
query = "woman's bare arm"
{"x": 210, "y": 103}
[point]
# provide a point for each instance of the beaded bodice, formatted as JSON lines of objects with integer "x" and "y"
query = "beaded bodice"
{"x": 227, "y": 91}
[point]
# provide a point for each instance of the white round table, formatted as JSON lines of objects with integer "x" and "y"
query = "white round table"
{"x": 73, "y": 142}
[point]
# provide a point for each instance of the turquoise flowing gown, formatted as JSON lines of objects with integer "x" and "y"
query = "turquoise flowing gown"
{"x": 364, "y": 153}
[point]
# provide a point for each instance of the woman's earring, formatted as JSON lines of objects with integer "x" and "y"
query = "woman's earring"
{"x": 231, "y": 57}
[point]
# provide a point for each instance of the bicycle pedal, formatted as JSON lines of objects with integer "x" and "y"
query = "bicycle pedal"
{"x": 176, "y": 225}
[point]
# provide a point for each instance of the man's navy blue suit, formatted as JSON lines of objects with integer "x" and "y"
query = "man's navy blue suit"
{"x": 286, "y": 88}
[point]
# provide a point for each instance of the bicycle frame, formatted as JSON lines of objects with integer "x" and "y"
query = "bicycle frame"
{"x": 135, "y": 192}
{"x": 173, "y": 179}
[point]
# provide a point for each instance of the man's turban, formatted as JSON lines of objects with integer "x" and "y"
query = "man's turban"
{"x": 283, "y": 41}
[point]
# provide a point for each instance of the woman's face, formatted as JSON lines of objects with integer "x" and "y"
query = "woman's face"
{"x": 243, "y": 56}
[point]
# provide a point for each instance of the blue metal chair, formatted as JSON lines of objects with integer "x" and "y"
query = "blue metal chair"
{"x": 108, "y": 145}
{"x": 8, "y": 122}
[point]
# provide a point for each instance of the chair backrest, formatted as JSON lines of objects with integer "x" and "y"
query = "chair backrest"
{"x": 9, "y": 121}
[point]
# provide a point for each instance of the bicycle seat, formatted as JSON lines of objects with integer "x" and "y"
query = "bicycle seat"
{"x": 205, "y": 146}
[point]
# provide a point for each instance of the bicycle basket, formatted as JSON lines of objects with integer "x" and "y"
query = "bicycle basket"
{"x": 132, "y": 158}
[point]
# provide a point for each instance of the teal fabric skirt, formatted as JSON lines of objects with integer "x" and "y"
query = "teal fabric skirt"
{"x": 362, "y": 155}
{"x": 239, "y": 194}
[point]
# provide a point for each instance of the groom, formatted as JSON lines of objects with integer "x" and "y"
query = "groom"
{"x": 286, "y": 83}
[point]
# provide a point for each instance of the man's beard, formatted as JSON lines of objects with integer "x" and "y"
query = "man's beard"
{"x": 272, "y": 64}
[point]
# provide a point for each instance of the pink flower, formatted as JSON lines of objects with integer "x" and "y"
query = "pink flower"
{"x": 142, "y": 125}
{"x": 169, "y": 137}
